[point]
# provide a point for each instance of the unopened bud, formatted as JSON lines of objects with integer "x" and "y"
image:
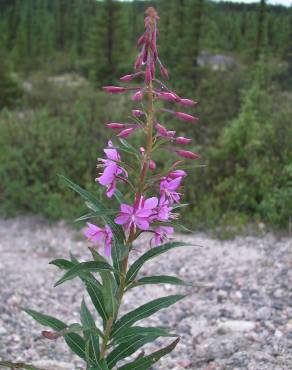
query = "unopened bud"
{"x": 138, "y": 96}
{"x": 164, "y": 72}
{"x": 187, "y": 154}
{"x": 168, "y": 96}
{"x": 148, "y": 74}
{"x": 127, "y": 78}
{"x": 139, "y": 61}
{"x": 114, "y": 89}
{"x": 177, "y": 173}
{"x": 186, "y": 117}
{"x": 152, "y": 165}
{"x": 50, "y": 335}
{"x": 182, "y": 140}
{"x": 137, "y": 113}
{"x": 116, "y": 126}
{"x": 186, "y": 102}
{"x": 127, "y": 132}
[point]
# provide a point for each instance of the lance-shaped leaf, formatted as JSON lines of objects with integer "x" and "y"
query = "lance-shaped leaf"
{"x": 90, "y": 334}
{"x": 159, "y": 279}
{"x": 109, "y": 286}
{"x": 146, "y": 362}
{"x": 135, "y": 331}
{"x": 18, "y": 365}
{"x": 74, "y": 341}
{"x": 96, "y": 206}
{"x": 102, "y": 212}
{"x": 93, "y": 287}
{"x": 126, "y": 349}
{"x": 144, "y": 311}
{"x": 84, "y": 267}
{"x": 151, "y": 253}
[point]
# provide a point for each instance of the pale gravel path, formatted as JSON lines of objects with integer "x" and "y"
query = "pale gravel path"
{"x": 248, "y": 279}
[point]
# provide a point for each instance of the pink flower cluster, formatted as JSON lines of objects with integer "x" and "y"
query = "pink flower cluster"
{"x": 146, "y": 214}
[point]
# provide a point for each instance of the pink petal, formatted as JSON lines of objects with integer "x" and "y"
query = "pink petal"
{"x": 142, "y": 223}
{"x": 122, "y": 219}
{"x": 150, "y": 203}
{"x": 125, "y": 208}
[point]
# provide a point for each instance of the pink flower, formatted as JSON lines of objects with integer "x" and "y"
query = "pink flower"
{"x": 137, "y": 216}
{"x": 114, "y": 89}
{"x": 182, "y": 140}
{"x": 168, "y": 189}
{"x": 161, "y": 234}
{"x": 186, "y": 117}
{"x": 111, "y": 170}
{"x": 116, "y": 126}
{"x": 187, "y": 154}
{"x": 99, "y": 235}
{"x": 138, "y": 96}
{"x": 163, "y": 210}
{"x": 162, "y": 131}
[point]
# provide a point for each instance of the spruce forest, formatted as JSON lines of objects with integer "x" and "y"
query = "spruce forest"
{"x": 234, "y": 59}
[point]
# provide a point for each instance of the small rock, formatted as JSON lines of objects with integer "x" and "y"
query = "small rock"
{"x": 3, "y": 331}
{"x": 53, "y": 365}
{"x": 184, "y": 363}
{"x": 236, "y": 326}
{"x": 220, "y": 347}
{"x": 263, "y": 313}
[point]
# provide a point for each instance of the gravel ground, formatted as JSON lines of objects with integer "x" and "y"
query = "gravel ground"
{"x": 237, "y": 316}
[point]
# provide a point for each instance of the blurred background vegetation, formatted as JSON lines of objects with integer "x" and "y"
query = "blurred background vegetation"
{"x": 235, "y": 59}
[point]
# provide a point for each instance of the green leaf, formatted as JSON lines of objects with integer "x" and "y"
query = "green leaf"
{"x": 74, "y": 341}
{"x": 128, "y": 348}
{"x": 46, "y": 320}
{"x": 96, "y": 206}
{"x": 90, "y": 334}
{"x": 127, "y": 147}
{"x": 109, "y": 286}
{"x": 18, "y": 365}
{"x": 90, "y": 215}
{"x": 62, "y": 264}
{"x": 119, "y": 252}
{"x": 151, "y": 253}
{"x": 130, "y": 332}
{"x": 119, "y": 196}
{"x": 84, "y": 267}
{"x": 143, "y": 311}
{"x": 96, "y": 296}
{"x": 93, "y": 287}
{"x": 159, "y": 279}
{"x": 146, "y": 362}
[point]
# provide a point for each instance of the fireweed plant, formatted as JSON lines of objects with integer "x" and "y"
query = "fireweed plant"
{"x": 150, "y": 208}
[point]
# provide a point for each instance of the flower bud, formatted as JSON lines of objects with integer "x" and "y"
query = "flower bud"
{"x": 141, "y": 40}
{"x": 127, "y": 78}
{"x": 142, "y": 150}
{"x": 164, "y": 72}
{"x": 182, "y": 140}
{"x": 177, "y": 173}
{"x": 148, "y": 74}
{"x": 162, "y": 131}
{"x": 50, "y": 335}
{"x": 168, "y": 96}
{"x": 137, "y": 113}
{"x": 127, "y": 132}
{"x": 186, "y": 117}
{"x": 116, "y": 126}
{"x": 186, "y": 102}
{"x": 187, "y": 154}
{"x": 114, "y": 89}
{"x": 138, "y": 96}
{"x": 152, "y": 165}
{"x": 139, "y": 61}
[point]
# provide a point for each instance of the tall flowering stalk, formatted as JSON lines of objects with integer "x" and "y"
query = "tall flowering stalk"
{"x": 149, "y": 208}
